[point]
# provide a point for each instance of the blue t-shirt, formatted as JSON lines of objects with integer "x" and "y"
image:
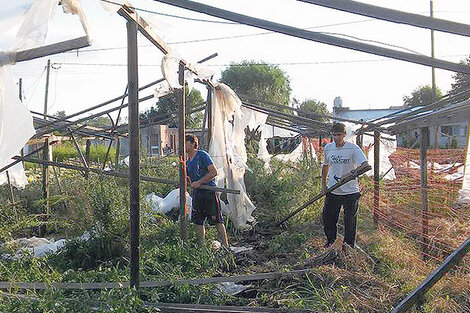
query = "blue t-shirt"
{"x": 197, "y": 168}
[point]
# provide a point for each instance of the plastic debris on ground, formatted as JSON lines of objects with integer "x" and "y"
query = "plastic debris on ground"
{"x": 172, "y": 200}
{"x": 237, "y": 250}
{"x": 229, "y": 288}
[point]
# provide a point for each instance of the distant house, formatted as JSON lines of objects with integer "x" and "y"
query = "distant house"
{"x": 450, "y": 135}
{"x": 157, "y": 140}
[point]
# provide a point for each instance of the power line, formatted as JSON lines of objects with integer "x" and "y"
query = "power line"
{"x": 175, "y": 16}
{"x": 261, "y": 63}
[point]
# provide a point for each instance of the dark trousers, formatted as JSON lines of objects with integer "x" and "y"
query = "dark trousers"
{"x": 331, "y": 211}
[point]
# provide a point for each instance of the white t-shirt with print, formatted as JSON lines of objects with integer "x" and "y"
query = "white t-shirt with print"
{"x": 341, "y": 161}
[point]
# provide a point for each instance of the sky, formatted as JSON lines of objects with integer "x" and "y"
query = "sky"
{"x": 95, "y": 74}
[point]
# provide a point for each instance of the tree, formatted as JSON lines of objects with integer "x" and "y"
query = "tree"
{"x": 461, "y": 83}
{"x": 258, "y": 81}
{"x": 421, "y": 96}
{"x": 60, "y": 114}
{"x": 169, "y": 106}
{"x": 314, "y": 106}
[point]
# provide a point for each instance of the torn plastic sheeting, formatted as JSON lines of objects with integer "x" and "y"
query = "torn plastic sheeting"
{"x": 16, "y": 122}
{"x": 172, "y": 200}
{"x": 170, "y": 68}
{"x": 227, "y": 149}
{"x": 33, "y": 31}
{"x": 229, "y": 288}
{"x": 17, "y": 176}
{"x": 75, "y": 7}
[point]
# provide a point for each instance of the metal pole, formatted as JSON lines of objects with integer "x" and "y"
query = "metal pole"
{"x": 132, "y": 72}
{"x": 45, "y": 169}
{"x": 433, "y": 73}
{"x": 376, "y": 176}
{"x": 45, "y": 182}
{"x": 20, "y": 95}
{"x": 182, "y": 152}
{"x": 116, "y": 156}
{"x": 209, "y": 116}
{"x": 424, "y": 188}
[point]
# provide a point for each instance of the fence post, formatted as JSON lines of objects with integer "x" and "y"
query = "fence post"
{"x": 182, "y": 151}
{"x": 424, "y": 188}
{"x": 376, "y": 175}
{"x": 134, "y": 155}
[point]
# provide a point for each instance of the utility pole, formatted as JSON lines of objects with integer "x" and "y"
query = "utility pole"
{"x": 45, "y": 151}
{"x": 433, "y": 71}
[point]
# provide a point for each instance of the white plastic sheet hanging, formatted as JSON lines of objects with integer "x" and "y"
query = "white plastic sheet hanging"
{"x": 170, "y": 67}
{"x": 227, "y": 149}
{"x": 16, "y": 126}
{"x": 75, "y": 7}
{"x": 33, "y": 31}
{"x": 17, "y": 176}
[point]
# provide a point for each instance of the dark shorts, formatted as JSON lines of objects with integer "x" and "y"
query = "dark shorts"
{"x": 206, "y": 205}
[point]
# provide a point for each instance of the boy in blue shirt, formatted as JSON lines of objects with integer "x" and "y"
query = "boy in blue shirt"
{"x": 206, "y": 203}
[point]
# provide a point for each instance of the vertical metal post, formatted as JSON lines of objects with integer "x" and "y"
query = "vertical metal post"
{"x": 87, "y": 151}
{"x": 209, "y": 116}
{"x": 376, "y": 176}
{"x": 20, "y": 95}
{"x": 182, "y": 152}
{"x": 433, "y": 73}
{"x": 48, "y": 70}
{"x": 424, "y": 188}
{"x": 116, "y": 156}
{"x": 359, "y": 141}
{"x": 45, "y": 168}
{"x": 45, "y": 182}
{"x": 132, "y": 73}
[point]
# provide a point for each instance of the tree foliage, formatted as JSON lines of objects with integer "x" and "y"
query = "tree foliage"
{"x": 169, "y": 106}
{"x": 258, "y": 81}
{"x": 421, "y": 96}
{"x": 314, "y": 106}
{"x": 461, "y": 82}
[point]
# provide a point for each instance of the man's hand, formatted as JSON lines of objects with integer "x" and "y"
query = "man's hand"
{"x": 196, "y": 184}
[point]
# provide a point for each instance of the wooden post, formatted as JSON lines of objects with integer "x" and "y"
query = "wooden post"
{"x": 376, "y": 176}
{"x": 182, "y": 152}
{"x": 87, "y": 151}
{"x": 424, "y": 188}
{"x": 116, "y": 156}
{"x": 45, "y": 169}
{"x": 132, "y": 72}
{"x": 45, "y": 182}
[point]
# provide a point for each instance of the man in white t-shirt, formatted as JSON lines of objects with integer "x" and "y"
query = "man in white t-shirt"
{"x": 341, "y": 158}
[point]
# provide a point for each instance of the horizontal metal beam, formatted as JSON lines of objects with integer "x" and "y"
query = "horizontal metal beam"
{"x": 455, "y": 114}
{"x": 432, "y": 279}
{"x": 51, "y": 49}
{"x": 117, "y": 174}
{"x": 394, "y": 16}
{"x": 318, "y": 37}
